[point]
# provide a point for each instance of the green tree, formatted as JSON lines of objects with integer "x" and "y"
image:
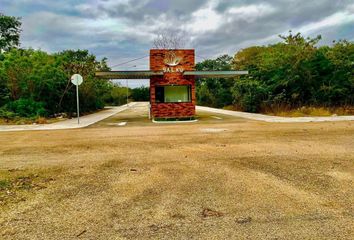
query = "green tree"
{"x": 84, "y": 63}
{"x": 248, "y": 95}
{"x": 296, "y": 72}
{"x": 338, "y": 86}
{"x": 215, "y": 92}
{"x": 117, "y": 95}
{"x": 37, "y": 77}
{"x": 10, "y": 29}
{"x": 141, "y": 93}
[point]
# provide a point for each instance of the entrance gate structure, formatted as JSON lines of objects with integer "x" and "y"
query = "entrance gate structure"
{"x": 172, "y": 77}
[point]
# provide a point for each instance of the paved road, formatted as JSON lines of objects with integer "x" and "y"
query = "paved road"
{"x": 111, "y": 111}
{"x": 70, "y": 123}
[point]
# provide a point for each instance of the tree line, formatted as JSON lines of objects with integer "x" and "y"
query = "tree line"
{"x": 35, "y": 83}
{"x": 289, "y": 74}
{"x": 292, "y": 73}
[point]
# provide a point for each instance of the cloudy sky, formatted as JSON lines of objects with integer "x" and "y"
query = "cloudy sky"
{"x": 124, "y": 29}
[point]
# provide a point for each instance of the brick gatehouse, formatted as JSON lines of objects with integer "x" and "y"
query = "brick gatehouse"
{"x": 172, "y": 82}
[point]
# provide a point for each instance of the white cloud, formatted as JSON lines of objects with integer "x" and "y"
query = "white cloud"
{"x": 208, "y": 19}
{"x": 124, "y": 29}
{"x": 251, "y": 12}
{"x": 336, "y": 19}
{"x": 205, "y": 19}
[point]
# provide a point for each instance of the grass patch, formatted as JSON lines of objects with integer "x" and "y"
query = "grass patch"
{"x": 305, "y": 111}
{"x": 284, "y": 110}
{"x": 313, "y": 111}
{"x": 18, "y": 185}
{"x": 4, "y": 184}
{"x": 23, "y": 121}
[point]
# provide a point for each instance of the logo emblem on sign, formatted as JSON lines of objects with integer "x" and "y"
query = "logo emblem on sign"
{"x": 171, "y": 59}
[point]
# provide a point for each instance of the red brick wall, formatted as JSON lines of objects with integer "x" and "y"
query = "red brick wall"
{"x": 157, "y": 57}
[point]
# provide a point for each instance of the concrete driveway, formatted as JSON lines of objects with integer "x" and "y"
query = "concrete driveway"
{"x": 70, "y": 123}
{"x": 139, "y": 114}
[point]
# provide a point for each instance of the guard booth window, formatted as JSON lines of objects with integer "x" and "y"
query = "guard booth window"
{"x": 173, "y": 94}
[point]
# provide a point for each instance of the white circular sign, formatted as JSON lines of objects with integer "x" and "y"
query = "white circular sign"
{"x": 77, "y": 79}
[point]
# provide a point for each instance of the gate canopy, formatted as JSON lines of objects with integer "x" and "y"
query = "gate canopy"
{"x": 147, "y": 74}
{"x": 128, "y": 74}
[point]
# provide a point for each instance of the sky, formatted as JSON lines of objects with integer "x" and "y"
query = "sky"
{"x": 122, "y": 30}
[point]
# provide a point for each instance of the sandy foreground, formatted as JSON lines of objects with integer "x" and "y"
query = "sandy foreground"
{"x": 220, "y": 178}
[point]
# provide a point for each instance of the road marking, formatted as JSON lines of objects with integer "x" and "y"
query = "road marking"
{"x": 219, "y": 118}
{"x": 117, "y": 124}
{"x": 213, "y": 130}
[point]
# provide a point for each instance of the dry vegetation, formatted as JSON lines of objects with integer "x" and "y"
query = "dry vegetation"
{"x": 25, "y": 121}
{"x": 287, "y": 111}
{"x": 310, "y": 111}
{"x": 250, "y": 180}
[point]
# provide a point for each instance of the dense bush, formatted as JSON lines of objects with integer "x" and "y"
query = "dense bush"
{"x": 117, "y": 95}
{"x": 287, "y": 75}
{"x": 27, "y": 108}
{"x": 298, "y": 73}
{"x": 6, "y": 114}
{"x": 215, "y": 92}
{"x": 140, "y": 94}
{"x": 248, "y": 95}
{"x": 34, "y": 83}
{"x": 37, "y": 83}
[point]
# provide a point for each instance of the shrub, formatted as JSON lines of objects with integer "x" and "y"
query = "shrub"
{"x": 25, "y": 107}
{"x": 41, "y": 120}
{"x": 117, "y": 96}
{"x": 6, "y": 114}
{"x": 248, "y": 95}
{"x": 141, "y": 93}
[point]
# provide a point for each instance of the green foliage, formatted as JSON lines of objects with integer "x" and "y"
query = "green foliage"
{"x": 297, "y": 73}
{"x": 34, "y": 83}
{"x": 92, "y": 89}
{"x": 292, "y": 73}
{"x": 248, "y": 95}
{"x": 6, "y": 114}
{"x": 27, "y": 108}
{"x": 117, "y": 95}
{"x": 222, "y": 63}
{"x": 141, "y": 93}
{"x": 42, "y": 77}
{"x": 215, "y": 92}
{"x": 10, "y": 28}
{"x": 4, "y": 184}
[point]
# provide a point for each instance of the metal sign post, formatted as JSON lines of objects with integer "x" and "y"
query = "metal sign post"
{"x": 77, "y": 104}
{"x": 77, "y": 79}
{"x": 126, "y": 81}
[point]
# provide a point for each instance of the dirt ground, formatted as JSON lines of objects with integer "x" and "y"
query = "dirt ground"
{"x": 219, "y": 178}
